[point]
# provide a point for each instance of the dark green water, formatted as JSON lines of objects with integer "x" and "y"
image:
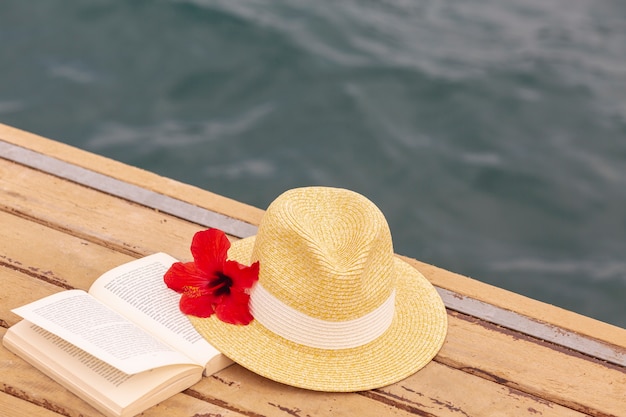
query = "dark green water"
{"x": 491, "y": 133}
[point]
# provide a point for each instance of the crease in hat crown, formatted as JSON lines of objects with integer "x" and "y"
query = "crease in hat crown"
{"x": 327, "y": 253}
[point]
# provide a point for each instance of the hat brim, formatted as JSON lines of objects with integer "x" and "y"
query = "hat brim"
{"x": 415, "y": 336}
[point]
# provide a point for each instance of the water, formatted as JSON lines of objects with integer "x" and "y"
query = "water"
{"x": 491, "y": 133}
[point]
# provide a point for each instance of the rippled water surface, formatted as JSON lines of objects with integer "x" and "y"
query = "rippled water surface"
{"x": 492, "y": 134}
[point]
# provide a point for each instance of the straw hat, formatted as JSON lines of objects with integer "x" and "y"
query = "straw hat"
{"x": 334, "y": 308}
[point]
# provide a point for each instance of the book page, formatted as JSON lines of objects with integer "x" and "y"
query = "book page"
{"x": 137, "y": 290}
{"x": 83, "y": 321}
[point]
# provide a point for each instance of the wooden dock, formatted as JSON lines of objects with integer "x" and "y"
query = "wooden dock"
{"x": 67, "y": 216}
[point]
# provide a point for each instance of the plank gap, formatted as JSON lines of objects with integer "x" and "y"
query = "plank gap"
{"x": 23, "y": 396}
{"x": 392, "y": 401}
{"x": 220, "y": 403}
{"x": 47, "y": 276}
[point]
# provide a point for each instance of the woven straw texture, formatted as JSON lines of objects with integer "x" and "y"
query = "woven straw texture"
{"x": 327, "y": 253}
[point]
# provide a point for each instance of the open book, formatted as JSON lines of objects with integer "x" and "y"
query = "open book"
{"x": 123, "y": 347}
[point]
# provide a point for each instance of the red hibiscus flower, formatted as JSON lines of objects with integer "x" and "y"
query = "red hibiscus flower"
{"x": 211, "y": 283}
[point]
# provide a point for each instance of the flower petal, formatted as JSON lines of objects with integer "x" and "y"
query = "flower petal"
{"x": 199, "y": 306}
{"x": 210, "y": 249}
{"x": 234, "y": 309}
{"x": 183, "y": 275}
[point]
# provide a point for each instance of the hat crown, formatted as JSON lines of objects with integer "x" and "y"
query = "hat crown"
{"x": 326, "y": 252}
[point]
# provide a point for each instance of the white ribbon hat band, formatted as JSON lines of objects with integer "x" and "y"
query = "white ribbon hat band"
{"x": 300, "y": 328}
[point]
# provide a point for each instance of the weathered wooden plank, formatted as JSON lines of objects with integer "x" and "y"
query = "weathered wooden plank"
{"x": 535, "y": 367}
{"x": 11, "y": 406}
{"x": 562, "y": 319}
{"x": 90, "y": 215}
{"x": 436, "y": 390}
{"x": 132, "y": 175}
{"x": 533, "y": 327}
{"x": 443, "y": 391}
{"x": 53, "y": 256}
{"x": 183, "y": 405}
{"x": 238, "y": 386}
{"x": 125, "y": 190}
